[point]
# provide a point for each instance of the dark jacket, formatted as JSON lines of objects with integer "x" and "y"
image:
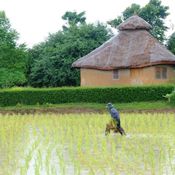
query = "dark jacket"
{"x": 115, "y": 115}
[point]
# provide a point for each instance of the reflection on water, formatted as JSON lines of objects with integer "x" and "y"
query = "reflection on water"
{"x": 69, "y": 144}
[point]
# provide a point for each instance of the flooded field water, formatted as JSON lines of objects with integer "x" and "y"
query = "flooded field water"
{"x": 75, "y": 144}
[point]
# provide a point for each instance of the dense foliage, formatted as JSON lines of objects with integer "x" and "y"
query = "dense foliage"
{"x": 51, "y": 60}
{"x": 171, "y": 43}
{"x": 153, "y": 12}
{"x": 172, "y": 99}
{"x": 13, "y": 58}
{"x": 33, "y": 96}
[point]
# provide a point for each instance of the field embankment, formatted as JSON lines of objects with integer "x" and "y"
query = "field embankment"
{"x": 153, "y": 107}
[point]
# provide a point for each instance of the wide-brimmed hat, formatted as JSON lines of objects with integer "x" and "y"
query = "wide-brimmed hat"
{"x": 109, "y": 105}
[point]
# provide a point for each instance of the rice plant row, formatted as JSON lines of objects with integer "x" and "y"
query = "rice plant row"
{"x": 75, "y": 144}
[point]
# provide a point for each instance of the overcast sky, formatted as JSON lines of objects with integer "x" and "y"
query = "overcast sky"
{"x": 35, "y": 19}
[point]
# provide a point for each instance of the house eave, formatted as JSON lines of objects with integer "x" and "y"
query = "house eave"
{"x": 108, "y": 68}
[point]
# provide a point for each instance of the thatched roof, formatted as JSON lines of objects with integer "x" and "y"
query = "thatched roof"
{"x": 134, "y": 22}
{"x": 133, "y": 47}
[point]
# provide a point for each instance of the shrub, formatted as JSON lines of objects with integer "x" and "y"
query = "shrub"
{"x": 33, "y": 96}
{"x": 172, "y": 100}
{"x": 171, "y": 97}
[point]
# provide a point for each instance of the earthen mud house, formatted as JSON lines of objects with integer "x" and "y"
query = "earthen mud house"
{"x": 133, "y": 57}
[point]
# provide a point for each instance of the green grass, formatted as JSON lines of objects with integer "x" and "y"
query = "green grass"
{"x": 159, "y": 105}
{"x": 76, "y": 144}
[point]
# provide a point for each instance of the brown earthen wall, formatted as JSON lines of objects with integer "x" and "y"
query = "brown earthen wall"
{"x": 139, "y": 76}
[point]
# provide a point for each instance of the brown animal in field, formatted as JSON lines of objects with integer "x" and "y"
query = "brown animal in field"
{"x": 111, "y": 126}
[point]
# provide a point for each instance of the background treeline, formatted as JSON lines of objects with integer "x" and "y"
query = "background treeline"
{"x": 48, "y": 64}
{"x": 13, "y": 57}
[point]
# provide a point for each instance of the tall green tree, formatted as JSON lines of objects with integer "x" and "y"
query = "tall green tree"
{"x": 153, "y": 12}
{"x": 52, "y": 59}
{"x": 171, "y": 43}
{"x": 12, "y": 57}
{"x": 73, "y": 19}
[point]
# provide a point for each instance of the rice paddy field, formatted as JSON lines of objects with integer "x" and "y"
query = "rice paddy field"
{"x": 75, "y": 144}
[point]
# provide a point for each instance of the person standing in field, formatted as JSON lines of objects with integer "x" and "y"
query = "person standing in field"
{"x": 114, "y": 124}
